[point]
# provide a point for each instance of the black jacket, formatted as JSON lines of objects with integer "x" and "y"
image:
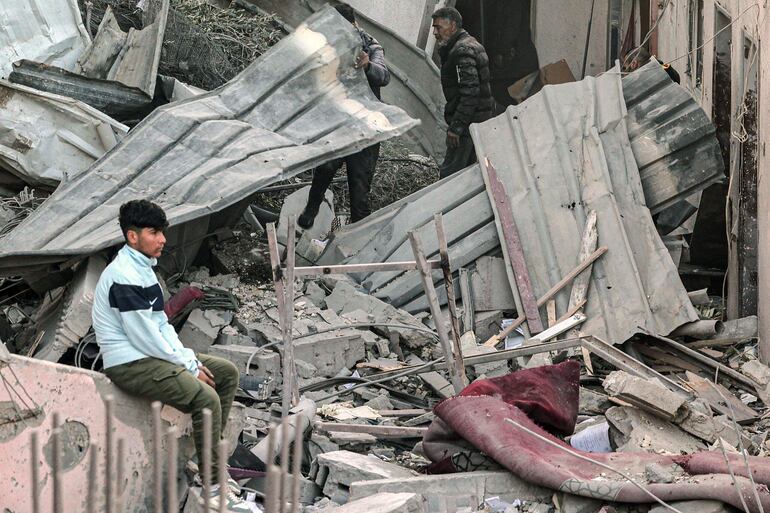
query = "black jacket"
{"x": 465, "y": 81}
{"x": 377, "y": 73}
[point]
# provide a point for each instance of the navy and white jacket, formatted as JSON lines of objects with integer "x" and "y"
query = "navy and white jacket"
{"x": 128, "y": 315}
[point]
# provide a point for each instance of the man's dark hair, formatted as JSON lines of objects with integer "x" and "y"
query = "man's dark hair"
{"x": 449, "y": 13}
{"x": 138, "y": 214}
{"x": 346, "y": 11}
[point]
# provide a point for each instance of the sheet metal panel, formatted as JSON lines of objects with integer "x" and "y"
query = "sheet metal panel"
{"x": 48, "y": 31}
{"x": 672, "y": 138}
{"x": 299, "y": 105}
{"x": 560, "y": 154}
{"x": 415, "y": 80}
{"x": 46, "y": 136}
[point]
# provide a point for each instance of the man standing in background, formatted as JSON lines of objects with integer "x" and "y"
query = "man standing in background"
{"x": 465, "y": 82}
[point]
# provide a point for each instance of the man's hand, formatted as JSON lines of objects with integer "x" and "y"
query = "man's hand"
{"x": 452, "y": 139}
{"x": 206, "y": 376}
{"x": 362, "y": 61}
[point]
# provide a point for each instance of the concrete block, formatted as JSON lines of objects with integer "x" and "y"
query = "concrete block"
{"x": 646, "y": 394}
{"x": 632, "y": 430}
{"x": 698, "y": 423}
{"x": 331, "y": 351}
{"x": 320, "y": 444}
{"x": 593, "y": 402}
{"x": 486, "y": 324}
{"x": 383, "y": 503}
{"x": 756, "y": 370}
{"x": 492, "y": 369}
{"x": 316, "y": 294}
{"x": 265, "y": 363}
{"x": 200, "y": 331}
{"x": 381, "y": 402}
{"x": 655, "y": 473}
{"x": 337, "y": 471}
{"x": 264, "y": 333}
{"x": 698, "y": 506}
{"x": 229, "y": 336}
{"x": 468, "y": 489}
{"x": 346, "y": 298}
{"x": 433, "y": 379}
{"x": 305, "y": 370}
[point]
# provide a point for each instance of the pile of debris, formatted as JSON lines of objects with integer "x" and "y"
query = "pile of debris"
{"x": 513, "y": 338}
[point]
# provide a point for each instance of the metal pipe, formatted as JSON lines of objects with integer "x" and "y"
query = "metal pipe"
{"x": 157, "y": 462}
{"x": 118, "y": 489}
{"x": 171, "y": 487}
{"x": 699, "y": 329}
{"x": 271, "y": 489}
{"x": 93, "y": 476}
{"x": 284, "y": 488}
{"x": 223, "y": 475}
{"x": 34, "y": 451}
{"x": 108, "y": 485}
{"x": 296, "y": 469}
{"x": 206, "y": 458}
{"x": 56, "y": 464}
{"x": 270, "y": 445}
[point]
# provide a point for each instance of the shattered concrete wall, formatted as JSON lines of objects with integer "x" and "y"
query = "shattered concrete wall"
{"x": 78, "y": 397}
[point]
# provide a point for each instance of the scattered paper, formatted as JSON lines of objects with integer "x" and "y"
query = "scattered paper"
{"x": 593, "y": 439}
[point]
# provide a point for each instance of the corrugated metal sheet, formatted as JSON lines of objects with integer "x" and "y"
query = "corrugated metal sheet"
{"x": 671, "y": 136}
{"x": 46, "y": 136}
{"x": 560, "y": 154}
{"x": 49, "y": 31}
{"x": 301, "y": 104}
{"x": 415, "y": 84}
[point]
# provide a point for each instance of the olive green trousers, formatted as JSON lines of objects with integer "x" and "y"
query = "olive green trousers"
{"x": 159, "y": 380}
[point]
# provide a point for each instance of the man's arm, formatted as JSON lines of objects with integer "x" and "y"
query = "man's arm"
{"x": 143, "y": 331}
{"x": 377, "y": 72}
{"x": 469, "y": 89}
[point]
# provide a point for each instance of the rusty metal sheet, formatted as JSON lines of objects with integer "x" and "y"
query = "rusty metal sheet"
{"x": 566, "y": 151}
{"x": 301, "y": 104}
{"x": 672, "y": 137}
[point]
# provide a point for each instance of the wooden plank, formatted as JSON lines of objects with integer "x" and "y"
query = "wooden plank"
{"x": 291, "y": 388}
{"x": 377, "y": 431}
{"x": 580, "y": 285}
{"x": 705, "y": 390}
{"x": 494, "y": 340}
{"x": 558, "y": 329}
{"x": 446, "y": 269}
{"x": 456, "y": 370}
{"x": 663, "y": 357}
{"x": 550, "y": 308}
{"x": 467, "y": 295}
{"x": 513, "y": 251}
{"x": 361, "y": 268}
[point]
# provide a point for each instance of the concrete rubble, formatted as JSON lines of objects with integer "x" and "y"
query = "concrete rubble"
{"x": 376, "y": 347}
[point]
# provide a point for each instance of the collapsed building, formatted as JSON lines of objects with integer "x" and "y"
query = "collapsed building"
{"x": 520, "y": 336}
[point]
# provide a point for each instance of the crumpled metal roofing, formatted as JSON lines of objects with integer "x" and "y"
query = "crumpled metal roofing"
{"x": 47, "y": 136}
{"x": 672, "y": 138}
{"x": 49, "y": 31}
{"x": 559, "y": 155}
{"x": 570, "y": 174}
{"x": 302, "y": 103}
{"x": 415, "y": 84}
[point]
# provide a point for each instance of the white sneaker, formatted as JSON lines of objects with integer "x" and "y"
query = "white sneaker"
{"x": 233, "y": 503}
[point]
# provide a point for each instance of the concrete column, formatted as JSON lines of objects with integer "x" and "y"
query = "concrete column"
{"x": 763, "y": 194}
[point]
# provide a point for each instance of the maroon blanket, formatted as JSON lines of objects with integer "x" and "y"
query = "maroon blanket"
{"x": 545, "y": 401}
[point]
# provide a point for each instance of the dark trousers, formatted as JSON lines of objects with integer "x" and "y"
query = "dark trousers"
{"x": 159, "y": 380}
{"x": 458, "y": 158}
{"x": 360, "y": 169}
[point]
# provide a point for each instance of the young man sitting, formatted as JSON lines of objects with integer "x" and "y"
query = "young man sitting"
{"x": 142, "y": 353}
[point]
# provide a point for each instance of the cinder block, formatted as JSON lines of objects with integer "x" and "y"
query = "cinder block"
{"x": 265, "y": 363}
{"x": 331, "y": 352}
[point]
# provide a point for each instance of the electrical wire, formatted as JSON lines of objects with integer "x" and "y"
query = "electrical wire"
{"x": 633, "y": 53}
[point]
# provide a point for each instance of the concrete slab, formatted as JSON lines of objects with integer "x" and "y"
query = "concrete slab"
{"x": 646, "y": 394}
{"x": 331, "y": 352}
{"x": 633, "y": 430}
{"x": 695, "y": 507}
{"x": 199, "y": 331}
{"x": 383, "y": 503}
{"x": 265, "y": 363}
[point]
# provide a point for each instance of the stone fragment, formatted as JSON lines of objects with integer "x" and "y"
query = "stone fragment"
{"x": 331, "y": 351}
{"x": 757, "y": 371}
{"x": 492, "y": 369}
{"x": 229, "y": 336}
{"x": 433, "y": 379}
{"x": 199, "y": 332}
{"x": 487, "y": 324}
{"x": 265, "y": 363}
{"x": 632, "y": 430}
{"x": 383, "y": 503}
{"x": 697, "y": 506}
{"x": 320, "y": 444}
{"x": 316, "y": 294}
{"x": 336, "y": 471}
{"x": 468, "y": 489}
{"x": 305, "y": 370}
{"x": 568, "y": 503}
{"x": 381, "y": 402}
{"x": 655, "y": 473}
{"x": 346, "y": 298}
{"x": 592, "y": 402}
{"x": 698, "y": 421}
{"x": 264, "y": 333}
{"x": 646, "y": 394}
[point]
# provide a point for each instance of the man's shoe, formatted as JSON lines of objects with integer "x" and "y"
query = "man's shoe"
{"x": 307, "y": 218}
{"x": 233, "y": 503}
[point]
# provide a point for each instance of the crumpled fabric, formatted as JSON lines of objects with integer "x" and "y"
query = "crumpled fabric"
{"x": 475, "y": 422}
